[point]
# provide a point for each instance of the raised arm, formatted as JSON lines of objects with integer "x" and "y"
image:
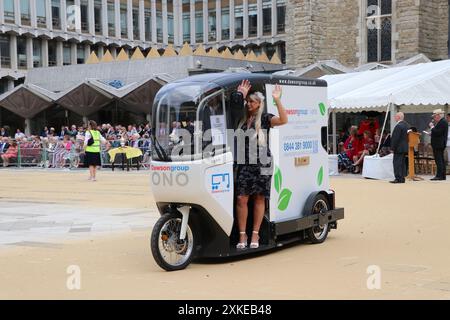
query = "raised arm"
{"x": 282, "y": 117}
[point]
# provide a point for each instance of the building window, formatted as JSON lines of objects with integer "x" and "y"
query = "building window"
{"x": 67, "y": 53}
{"x": 123, "y": 19}
{"x": 267, "y": 17}
{"x": 186, "y": 21}
{"x": 37, "y": 53}
{"x": 159, "y": 33}
{"x": 84, "y": 16}
{"x": 136, "y": 23}
{"x": 238, "y": 20}
{"x": 8, "y": 11}
{"x": 148, "y": 21}
{"x": 199, "y": 21}
{"x": 281, "y": 15}
{"x": 170, "y": 25}
{"x": 5, "y": 55}
{"x": 379, "y": 30}
{"x": 111, "y": 19}
{"x": 81, "y": 55}
{"x": 252, "y": 19}
{"x": 41, "y": 13}
{"x": 56, "y": 14}
{"x": 22, "y": 52}
{"x": 212, "y": 25}
{"x": 51, "y": 53}
{"x": 225, "y": 13}
{"x": 71, "y": 26}
{"x": 98, "y": 16}
{"x": 25, "y": 12}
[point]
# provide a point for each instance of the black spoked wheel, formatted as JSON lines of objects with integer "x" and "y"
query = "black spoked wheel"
{"x": 169, "y": 252}
{"x": 318, "y": 234}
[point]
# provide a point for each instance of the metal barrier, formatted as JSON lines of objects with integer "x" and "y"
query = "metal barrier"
{"x": 45, "y": 154}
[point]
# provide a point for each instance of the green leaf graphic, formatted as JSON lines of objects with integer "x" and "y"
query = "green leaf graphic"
{"x": 283, "y": 199}
{"x": 320, "y": 176}
{"x": 277, "y": 179}
{"x": 322, "y": 108}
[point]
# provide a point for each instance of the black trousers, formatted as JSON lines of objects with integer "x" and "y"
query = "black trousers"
{"x": 400, "y": 166}
{"x": 440, "y": 162}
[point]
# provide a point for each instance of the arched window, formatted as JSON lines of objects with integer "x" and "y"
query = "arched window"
{"x": 379, "y": 30}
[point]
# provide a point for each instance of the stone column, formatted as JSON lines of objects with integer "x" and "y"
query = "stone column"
{"x": 205, "y": 22}
{"x": 232, "y": 26}
{"x": 130, "y": 20}
{"x": 141, "y": 20}
{"x": 218, "y": 21}
{"x": 73, "y": 53}
{"x": 274, "y": 18}
{"x": 17, "y": 18}
{"x": 113, "y": 51}
{"x": 27, "y": 130}
{"x": 176, "y": 27}
{"x": 87, "y": 51}
{"x": 101, "y": 52}
{"x": 91, "y": 17}
{"x": 259, "y": 18}
{"x": 33, "y": 13}
{"x": 105, "y": 31}
{"x": 13, "y": 51}
{"x": 2, "y": 13}
{"x": 192, "y": 20}
{"x": 44, "y": 52}
{"x": 10, "y": 84}
{"x": 59, "y": 53}
{"x": 63, "y": 16}
{"x": 29, "y": 53}
{"x": 245, "y": 18}
{"x": 164, "y": 22}
{"x": 48, "y": 14}
{"x": 77, "y": 4}
{"x": 117, "y": 18}
{"x": 154, "y": 21}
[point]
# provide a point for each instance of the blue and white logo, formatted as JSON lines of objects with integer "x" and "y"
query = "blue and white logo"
{"x": 220, "y": 182}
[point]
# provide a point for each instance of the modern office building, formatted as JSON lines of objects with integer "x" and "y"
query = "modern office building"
{"x": 45, "y": 33}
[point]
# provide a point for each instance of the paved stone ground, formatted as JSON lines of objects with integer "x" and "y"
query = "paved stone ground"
{"x": 35, "y": 214}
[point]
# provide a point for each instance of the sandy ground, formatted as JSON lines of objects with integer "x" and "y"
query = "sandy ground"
{"x": 401, "y": 229}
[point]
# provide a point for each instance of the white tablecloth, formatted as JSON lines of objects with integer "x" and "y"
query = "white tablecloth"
{"x": 378, "y": 168}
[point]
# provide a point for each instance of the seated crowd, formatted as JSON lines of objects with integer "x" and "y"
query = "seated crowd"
{"x": 66, "y": 146}
{"x": 358, "y": 143}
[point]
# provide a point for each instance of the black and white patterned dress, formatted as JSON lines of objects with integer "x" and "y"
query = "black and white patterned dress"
{"x": 255, "y": 178}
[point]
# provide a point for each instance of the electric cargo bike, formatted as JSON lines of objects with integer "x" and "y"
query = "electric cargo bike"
{"x": 193, "y": 174}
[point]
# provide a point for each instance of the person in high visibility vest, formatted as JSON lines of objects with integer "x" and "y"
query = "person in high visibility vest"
{"x": 92, "y": 158}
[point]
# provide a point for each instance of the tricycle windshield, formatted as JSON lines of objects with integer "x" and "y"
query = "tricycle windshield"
{"x": 179, "y": 117}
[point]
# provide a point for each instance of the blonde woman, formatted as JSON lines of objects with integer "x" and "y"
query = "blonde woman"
{"x": 251, "y": 181}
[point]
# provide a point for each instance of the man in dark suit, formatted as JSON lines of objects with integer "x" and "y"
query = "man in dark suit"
{"x": 439, "y": 132}
{"x": 399, "y": 146}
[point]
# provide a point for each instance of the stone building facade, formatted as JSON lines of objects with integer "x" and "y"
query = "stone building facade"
{"x": 356, "y": 32}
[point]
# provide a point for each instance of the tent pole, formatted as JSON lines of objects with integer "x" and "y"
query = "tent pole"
{"x": 384, "y": 126}
{"x": 333, "y": 119}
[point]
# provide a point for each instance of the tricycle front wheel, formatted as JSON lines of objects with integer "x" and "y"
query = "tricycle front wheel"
{"x": 169, "y": 252}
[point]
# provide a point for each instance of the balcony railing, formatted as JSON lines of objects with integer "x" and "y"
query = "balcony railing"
{"x": 41, "y": 22}
{"x": 225, "y": 34}
{"x": 5, "y": 61}
{"x": 56, "y": 22}
{"x": 9, "y": 16}
{"x": 98, "y": 28}
{"x": 51, "y": 63}
{"x": 25, "y": 19}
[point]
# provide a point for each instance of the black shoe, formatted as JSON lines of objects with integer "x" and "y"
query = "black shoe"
{"x": 436, "y": 179}
{"x": 395, "y": 181}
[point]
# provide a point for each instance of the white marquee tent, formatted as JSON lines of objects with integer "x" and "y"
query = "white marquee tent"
{"x": 416, "y": 88}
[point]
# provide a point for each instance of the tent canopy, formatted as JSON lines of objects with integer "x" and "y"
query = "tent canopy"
{"x": 422, "y": 84}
